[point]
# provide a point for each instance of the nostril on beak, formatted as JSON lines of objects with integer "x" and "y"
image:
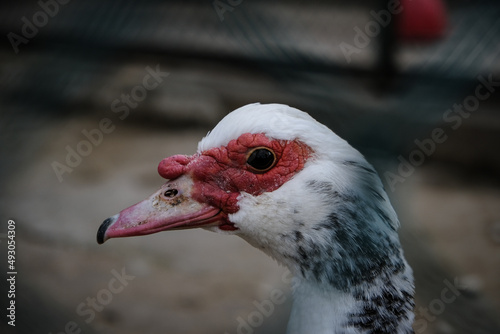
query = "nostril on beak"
{"x": 170, "y": 193}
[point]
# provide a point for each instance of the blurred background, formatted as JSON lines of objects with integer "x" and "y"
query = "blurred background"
{"x": 93, "y": 94}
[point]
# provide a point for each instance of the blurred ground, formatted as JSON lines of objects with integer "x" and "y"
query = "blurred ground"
{"x": 66, "y": 79}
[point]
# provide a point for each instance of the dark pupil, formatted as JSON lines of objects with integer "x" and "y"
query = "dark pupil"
{"x": 261, "y": 159}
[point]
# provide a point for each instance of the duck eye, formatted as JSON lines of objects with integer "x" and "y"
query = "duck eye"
{"x": 261, "y": 159}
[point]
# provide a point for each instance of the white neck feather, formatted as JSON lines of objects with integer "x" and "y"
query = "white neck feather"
{"x": 382, "y": 306}
{"x": 320, "y": 311}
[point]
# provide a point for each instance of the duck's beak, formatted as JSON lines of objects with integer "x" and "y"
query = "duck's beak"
{"x": 171, "y": 207}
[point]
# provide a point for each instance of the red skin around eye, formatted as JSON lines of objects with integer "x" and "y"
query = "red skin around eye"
{"x": 221, "y": 174}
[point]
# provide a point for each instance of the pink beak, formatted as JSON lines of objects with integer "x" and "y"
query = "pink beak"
{"x": 172, "y": 207}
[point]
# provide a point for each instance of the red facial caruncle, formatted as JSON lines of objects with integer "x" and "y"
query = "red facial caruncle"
{"x": 221, "y": 174}
{"x": 203, "y": 189}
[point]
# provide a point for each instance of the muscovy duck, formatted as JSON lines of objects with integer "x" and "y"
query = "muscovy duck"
{"x": 289, "y": 186}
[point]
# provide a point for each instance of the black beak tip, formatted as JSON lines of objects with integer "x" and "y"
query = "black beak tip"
{"x": 101, "y": 233}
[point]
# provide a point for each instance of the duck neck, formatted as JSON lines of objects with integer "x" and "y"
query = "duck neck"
{"x": 383, "y": 305}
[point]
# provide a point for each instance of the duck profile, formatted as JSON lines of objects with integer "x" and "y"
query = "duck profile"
{"x": 292, "y": 188}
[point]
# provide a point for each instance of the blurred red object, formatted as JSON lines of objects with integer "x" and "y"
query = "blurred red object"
{"x": 421, "y": 20}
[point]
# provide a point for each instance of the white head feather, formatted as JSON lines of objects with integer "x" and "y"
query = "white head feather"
{"x": 264, "y": 219}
